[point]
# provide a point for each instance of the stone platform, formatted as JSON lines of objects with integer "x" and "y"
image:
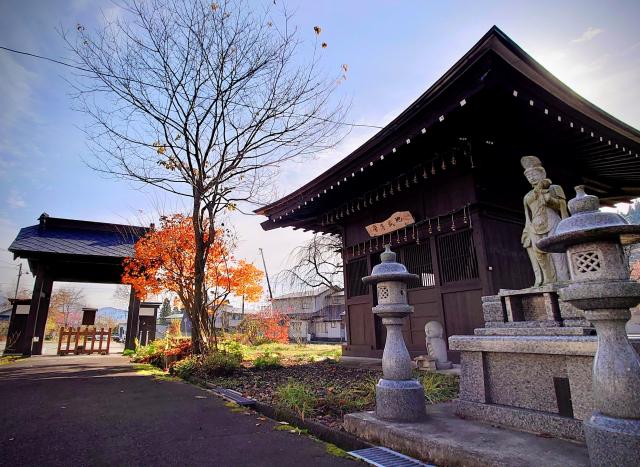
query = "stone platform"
{"x": 534, "y": 383}
{"x": 446, "y": 440}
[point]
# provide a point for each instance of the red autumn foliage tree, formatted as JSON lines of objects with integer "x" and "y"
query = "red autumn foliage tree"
{"x": 164, "y": 261}
{"x": 266, "y": 326}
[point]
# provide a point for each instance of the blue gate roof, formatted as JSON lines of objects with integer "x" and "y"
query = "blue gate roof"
{"x": 76, "y": 237}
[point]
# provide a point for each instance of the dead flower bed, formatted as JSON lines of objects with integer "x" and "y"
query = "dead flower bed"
{"x": 324, "y": 391}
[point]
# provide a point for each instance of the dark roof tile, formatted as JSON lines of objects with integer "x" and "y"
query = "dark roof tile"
{"x": 84, "y": 242}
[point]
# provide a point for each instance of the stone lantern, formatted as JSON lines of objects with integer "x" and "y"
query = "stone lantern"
{"x": 600, "y": 286}
{"x": 399, "y": 397}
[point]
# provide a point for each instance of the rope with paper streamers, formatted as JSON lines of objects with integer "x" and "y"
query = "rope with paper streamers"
{"x": 418, "y": 231}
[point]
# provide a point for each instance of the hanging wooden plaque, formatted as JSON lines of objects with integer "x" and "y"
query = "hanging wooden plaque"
{"x": 397, "y": 221}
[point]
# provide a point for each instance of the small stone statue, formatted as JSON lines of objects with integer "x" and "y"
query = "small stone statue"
{"x": 544, "y": 207}
{"x": 436, "y": 346}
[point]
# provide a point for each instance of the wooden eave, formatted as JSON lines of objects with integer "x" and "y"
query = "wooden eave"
{"x": 493, "y": 44}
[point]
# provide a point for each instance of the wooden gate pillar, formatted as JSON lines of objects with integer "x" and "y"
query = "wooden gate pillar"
{"x": 17, "y": 325}
{"x": 133, "y": 321}
{"x": 38, "y": 311}
{"x": 148, "y": 316}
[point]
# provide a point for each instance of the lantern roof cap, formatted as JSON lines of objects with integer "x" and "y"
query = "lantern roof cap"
{"x": 588, "y": 224}
{"x": 389, "y": 269}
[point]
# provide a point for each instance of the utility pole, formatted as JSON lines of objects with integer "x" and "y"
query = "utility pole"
{"x": 15, "y": 295}
{"x": 266, "y": 274}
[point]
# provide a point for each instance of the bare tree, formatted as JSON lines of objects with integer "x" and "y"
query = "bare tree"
{"x": 316, "y": 263}
{"x": 121, "y": 295}
{"x": 68, "y": 301}
{"x": 204, "y": 100}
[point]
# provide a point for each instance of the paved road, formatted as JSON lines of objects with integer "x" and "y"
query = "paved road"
{"x": 96, "y": 410}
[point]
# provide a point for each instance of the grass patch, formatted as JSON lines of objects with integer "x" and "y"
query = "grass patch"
{"x": 267, "y": 361}
{"x": 356, "y": 397}
{"x": 291, "y": 429}
{"x": 283, "y": 428}
{"x": 294, "y": 352}
{"x": 336, "y": 451}
{"x": 145, "y": 369}
{"x": 297, "y": 397}
{"x": 6, "y": 359}
{"x": 439, "y": 387}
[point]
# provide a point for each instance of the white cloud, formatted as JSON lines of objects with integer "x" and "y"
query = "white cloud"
{"x": 15, "y": 200}
{"x": 586, "y": 36}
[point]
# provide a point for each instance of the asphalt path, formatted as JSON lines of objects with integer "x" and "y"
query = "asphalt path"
{"x": 97, "y": 410}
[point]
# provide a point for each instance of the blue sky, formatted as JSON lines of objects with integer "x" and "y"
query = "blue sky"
{"x": 394, "y": 50}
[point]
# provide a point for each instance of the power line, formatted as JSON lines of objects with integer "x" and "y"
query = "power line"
{"x": 87, "y": 70}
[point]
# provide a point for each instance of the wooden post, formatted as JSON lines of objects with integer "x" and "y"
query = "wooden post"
{"x": 108, "y": 340}
{"x": 100, "y": 343}
{"x": 84, "y": 341}
{"x": 75, "y": 349}
{"x": 60, "y": 340}
{"x": 38, "y": 310}
{"x": 93, "y": 341}
{"x": 68, "y": 333}
{"x": 133, "y": 318}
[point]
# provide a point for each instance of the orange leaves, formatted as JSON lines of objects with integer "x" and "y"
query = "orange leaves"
{"x": 247, "y": 281}
{"x": 164, "y": 260}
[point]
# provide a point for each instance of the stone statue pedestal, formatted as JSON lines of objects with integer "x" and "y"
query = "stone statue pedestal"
{"x": 530, "y": 366}
{"x": 533, "y": 311}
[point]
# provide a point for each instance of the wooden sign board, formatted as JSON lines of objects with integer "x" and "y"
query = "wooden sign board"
{"x": 397, "y": 221}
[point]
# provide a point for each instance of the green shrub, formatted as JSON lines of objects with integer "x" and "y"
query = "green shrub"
{"x": 128, "y": 353}
{"x": 221, "y": 363}
{"x": 267, "y": 360}
{"x": 296, "y": 397}
{"x": 151, "y": 353}
{"x": 234, "y": 347}
{"x": 439, "y": 387}
{"x": 185, "y": 368}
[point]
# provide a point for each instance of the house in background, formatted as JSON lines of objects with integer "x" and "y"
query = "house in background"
{"x": 314, "y": 315}
{"x": 5, "y": 313}
{"x": 228, "y": 319}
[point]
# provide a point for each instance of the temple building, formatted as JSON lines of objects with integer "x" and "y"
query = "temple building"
{"x": 443, "y": 184}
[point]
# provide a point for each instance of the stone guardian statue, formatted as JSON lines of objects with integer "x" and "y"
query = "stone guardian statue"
{"x": 436, "y": 345}
{"x": 544, "y": 207}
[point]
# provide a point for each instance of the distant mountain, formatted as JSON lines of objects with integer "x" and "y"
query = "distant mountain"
{"x": 115, "y": 313}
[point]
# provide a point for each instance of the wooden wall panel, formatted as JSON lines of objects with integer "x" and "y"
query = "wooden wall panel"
{"x": 509, "y": 263}
{"x": 360, "y": 324}
{"x": 462, "y": 314}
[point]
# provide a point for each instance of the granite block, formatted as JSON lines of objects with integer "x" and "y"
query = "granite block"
{"x": 401, "y": 401}
{"x": 579, "y": 322}
{"x": 562, "y": 345}
{"x": 569, "y": 312}
{"x": 524, "y": 380}
{"x": 524, "y": 324}
{"x": 472, "y": 387}
{"x": 534, "y": 331}
{"x": 532, "y": 421}
{"x": 493, "y": 309}
{"x": 446, "y": 440}
{"x": 613, "y": 441}
{"x": 580, "y": 373}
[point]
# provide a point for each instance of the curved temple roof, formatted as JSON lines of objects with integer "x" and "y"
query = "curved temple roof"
{"x": 620, "y": 169}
